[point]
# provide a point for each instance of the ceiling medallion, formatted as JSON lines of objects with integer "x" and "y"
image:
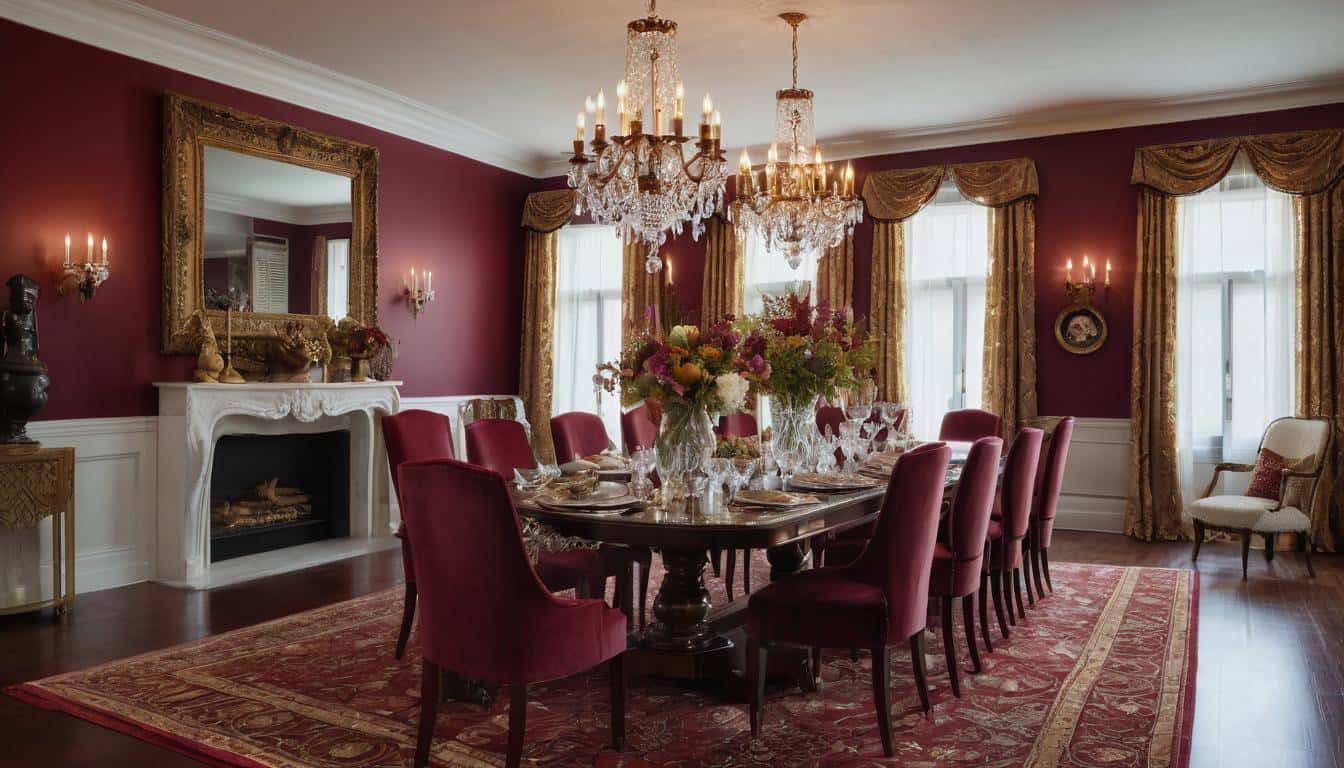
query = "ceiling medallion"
{"x": 800, "y": 204}
{"x": 638, "y": 181}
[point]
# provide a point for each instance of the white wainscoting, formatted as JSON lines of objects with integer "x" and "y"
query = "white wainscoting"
{"x": 1096, "y": 479}
{"x": 116, "y": 467}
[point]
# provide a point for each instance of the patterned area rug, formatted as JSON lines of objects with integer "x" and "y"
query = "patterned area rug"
{"x": 1100, "y": 674}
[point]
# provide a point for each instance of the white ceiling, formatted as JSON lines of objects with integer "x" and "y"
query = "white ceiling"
{"x": 516, "y": 71}
{"x": 269, "y": 189}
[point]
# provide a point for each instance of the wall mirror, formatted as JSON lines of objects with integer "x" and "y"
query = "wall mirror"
{"x": 277, "y": 223}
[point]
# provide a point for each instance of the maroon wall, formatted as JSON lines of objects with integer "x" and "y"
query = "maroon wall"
{"x": 82, "y": 152}
{"x": 1086, "y": 205}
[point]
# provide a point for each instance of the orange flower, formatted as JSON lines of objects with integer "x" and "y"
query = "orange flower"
{"x": 687, "y": 374}
{"x": 710, "y": 352}
{"x": 794, "y": 341}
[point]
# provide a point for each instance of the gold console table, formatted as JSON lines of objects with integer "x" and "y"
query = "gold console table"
{"x": 37, "y": 483}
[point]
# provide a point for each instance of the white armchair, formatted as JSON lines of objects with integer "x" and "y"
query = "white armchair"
{"x": 1305, "y": 444}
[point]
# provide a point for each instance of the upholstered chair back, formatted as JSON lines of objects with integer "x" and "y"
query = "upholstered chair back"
{"x": 900, "y": 554}
{"x": 638, "y": 430}
{"x": 1052, "y": 479}
{"x": 416, "y": 435}
{"x": 474, "y": 573}
{"x": 968, "y": 521}
{"x": 737, "y": 425}
{"x": 1019, "y": 482}
{"x": 1295, "y": 438}
{"x": 500, "y": 445}
{"x": 829, "y": 417}
{"x": 578, "y": 434}
{"x": 969, "y": 424}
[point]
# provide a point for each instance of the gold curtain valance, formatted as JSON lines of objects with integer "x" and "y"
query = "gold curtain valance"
{"x": 1299, "y": 162}
{"x": 548, "y": 211}
{"x": 898, "y": 194}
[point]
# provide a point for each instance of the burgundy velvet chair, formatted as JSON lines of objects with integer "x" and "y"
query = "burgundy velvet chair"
{"x": 969, "y": 425}
{"x": 958, "y": 564}
{"x": 638, "y": 429}
{"x": 880, "y": 600}
{"x": 501, "y": 445}
{"x": 1047, "y": 499}
{"x": 1006, "y": 533}
{"x": 737, "y": 425}
{"x": 413, "y": 435}
{"x": 484, "y": 613}
{"x": 577, "y": 434}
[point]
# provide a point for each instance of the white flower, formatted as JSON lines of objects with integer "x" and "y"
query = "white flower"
{"x": 732, "y": 391}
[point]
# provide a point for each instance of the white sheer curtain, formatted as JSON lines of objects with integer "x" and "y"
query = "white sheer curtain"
{"x": 338, "y": 278}
{"x": 587, "y": 320}
{"x": 1235, "y": 343}
{"x": 766, "y": 273}
{"x": 947, "y": 262}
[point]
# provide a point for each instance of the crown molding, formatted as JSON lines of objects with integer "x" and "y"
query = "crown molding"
{"x": 1065, "y": 120}
{"x": 133, "y": 30}
{"x": 303, "y": 216}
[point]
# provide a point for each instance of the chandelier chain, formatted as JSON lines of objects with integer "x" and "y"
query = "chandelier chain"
{"x": 795, "y": 54}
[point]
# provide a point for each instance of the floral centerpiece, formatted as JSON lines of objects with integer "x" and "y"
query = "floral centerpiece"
{"x": 364, "y": 343}
{"x": 795, "y": 352}
{"x": 691, "y": 374}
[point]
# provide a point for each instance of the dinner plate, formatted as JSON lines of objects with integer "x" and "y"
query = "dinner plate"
{"x": 831, "y": 481}
{"x": 605, "y": 496}
{"x": 782, "y": 499}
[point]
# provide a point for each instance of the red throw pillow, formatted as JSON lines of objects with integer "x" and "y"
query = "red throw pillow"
{"x": 1268, "y": 474}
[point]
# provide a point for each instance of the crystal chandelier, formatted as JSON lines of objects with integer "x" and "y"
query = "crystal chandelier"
{"x": 799, "y": 204}
{"x": 641, "y": 182}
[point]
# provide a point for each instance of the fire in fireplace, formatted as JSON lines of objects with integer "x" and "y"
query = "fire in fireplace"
{"x": 273, "y": 491}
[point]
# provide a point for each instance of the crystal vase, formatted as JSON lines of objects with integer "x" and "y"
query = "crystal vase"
{"x": 793, "y": 424}
{"x": 685, "y": 439}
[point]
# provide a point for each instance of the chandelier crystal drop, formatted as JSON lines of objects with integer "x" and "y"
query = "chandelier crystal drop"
{"x": 639, "y": 179}
{"x": 800, "y": 204}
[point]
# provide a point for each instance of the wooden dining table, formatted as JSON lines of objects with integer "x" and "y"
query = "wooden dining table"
{"x": 689, "y": 636}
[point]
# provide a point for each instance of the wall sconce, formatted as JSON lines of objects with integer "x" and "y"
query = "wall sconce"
{"x": 415, "y": 294}
{"x": 84, "y": 277}
{"x": 1086, "y": 286}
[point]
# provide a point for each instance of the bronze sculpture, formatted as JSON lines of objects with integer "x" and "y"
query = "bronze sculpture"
{"x": 23, "y": 376}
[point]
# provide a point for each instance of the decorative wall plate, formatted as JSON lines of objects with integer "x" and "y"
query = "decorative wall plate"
{"x": 1080, "y": 328}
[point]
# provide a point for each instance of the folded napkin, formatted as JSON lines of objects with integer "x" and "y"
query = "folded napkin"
{"x": 578, "y": 465}
{"x": 604, "y": 461}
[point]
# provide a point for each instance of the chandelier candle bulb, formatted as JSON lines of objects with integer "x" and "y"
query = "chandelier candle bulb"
{"x": 89, "y": 257}
{"x": 1108, "y": 273}
{"x": 104, "y": 251}
{"x": 67, "y": 251}
{"x": 706, "y": 109}
{"x": 579, "y": 129}
{"x": 600, "y": 116}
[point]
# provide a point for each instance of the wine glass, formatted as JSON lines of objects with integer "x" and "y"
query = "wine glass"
{"x": 769, "y": 459}
{"x": 641, "y": 464}
{"x": 742, "y": 471}
{"x": 717, "y": 469}
{"x": 788, "y": 465}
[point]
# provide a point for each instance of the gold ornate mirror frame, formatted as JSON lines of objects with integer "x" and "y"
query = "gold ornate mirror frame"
{"x": 189, "y": 126}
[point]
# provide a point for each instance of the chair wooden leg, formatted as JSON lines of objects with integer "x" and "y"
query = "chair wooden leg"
{"x": 1199, "y": 540}
{"x": 1269, "y": 546}
{"x": 1006, "y": 584}
{"x": 729, "y": 569}
{"x": 968, "y": 618}
{"x": 643, "y": 593}
{"x": 1017, "y": 592}
{"x": 1026, "y": 577}
{"x": 983, "y": 595}
{"x": 950, "y": 647}
{"x": 1045, "y": 569}
{"x": 616, "y": 671}
{"x": 756, "y": 661}
{"x": 429, "y": 710}
{"x": 407, "y": 618}
{"x": 996, "y": 592}
{"x": 746, "y": 571}
{"x": 624, "y": 596}
{"x": 882, "y": 696}
{"x": 1245, "y": 552}
{"x": 517, "y": 724}
{"x": 1308, "y": 546}
{"x": 921, "y": 674}
{"x": 1036, "y": 572}
{"x": 816, "y": 668}
{"x": 715, "y": 558}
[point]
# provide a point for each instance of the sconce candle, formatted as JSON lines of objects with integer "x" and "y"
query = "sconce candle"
{"x": 415, "y": 296}
{"x": 1086, "y": 285}
{"x": 84, "y": 277}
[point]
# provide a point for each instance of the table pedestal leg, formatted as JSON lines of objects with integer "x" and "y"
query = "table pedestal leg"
{"x": 680, "y": 643}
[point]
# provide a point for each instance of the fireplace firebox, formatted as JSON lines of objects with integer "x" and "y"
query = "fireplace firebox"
{"x": 273, "y": 491}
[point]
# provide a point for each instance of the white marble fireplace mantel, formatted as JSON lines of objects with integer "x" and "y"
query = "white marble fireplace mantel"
{"x": 192, "y": 418}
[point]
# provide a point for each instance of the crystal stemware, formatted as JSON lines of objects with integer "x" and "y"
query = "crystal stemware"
{"x": 742, "y": 472}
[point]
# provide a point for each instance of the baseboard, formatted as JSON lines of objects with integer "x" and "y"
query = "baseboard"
{"x": 1100, "y": 514}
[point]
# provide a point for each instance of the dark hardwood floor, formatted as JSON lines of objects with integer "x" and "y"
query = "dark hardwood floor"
{"x": 1270, "y": 677}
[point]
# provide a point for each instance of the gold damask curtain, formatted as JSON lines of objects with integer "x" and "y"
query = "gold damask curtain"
{"x": 1319, "y": 229}
{"x": 543, "y": 214}
{"x": 887, "y": 315}
{"x": 1153, "y": 508}
{"x": 835, "y": 274}
{"x": 1010, "y": 188}
{"x": 641, "y": 293}
{"x": 317, "y": 300}
{"x": 1307, "y": 164}
{"x": 722, "y": 289}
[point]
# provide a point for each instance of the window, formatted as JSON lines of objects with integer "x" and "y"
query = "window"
{"x": 587, "y": 320}
{"x": 946, "y": 263}
{"x": 338, "y": 278}
{"x": 270, "y": 274}
{"x": 1235, "y": 318}
{"x": 767, "y": 273}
